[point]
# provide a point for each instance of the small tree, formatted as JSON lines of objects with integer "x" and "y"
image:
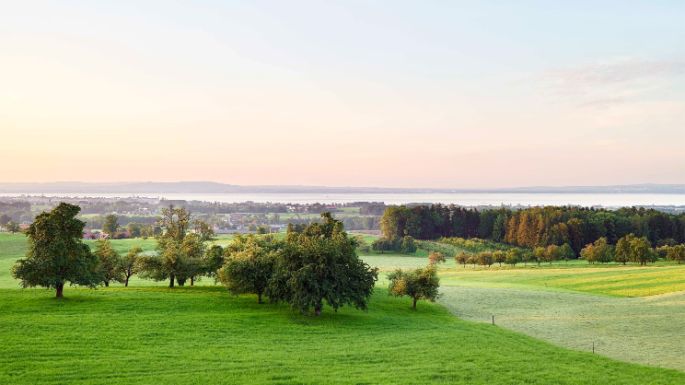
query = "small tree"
{"x": 499, "y": 256}
{"x": 622, "y": 250}
{"x": 12, "y": 227}
{"x": 248, "y": 271}
{"x": 513, "y": 257}
{"x": 418, "y": 284}
{"x": 598, "y": 251}
{"x": 128, "y": 265}
{"x": 566, "y": 252}
{"x": 57, "y": 254}
{"x": 214, "y": 259}
{"x": 539, "y": 254}
{"x": 110, "y": 264}
{"x": 111, "y": 225}
{"x": 461, "y": 258}
{"x": 551, "y": 254}
{"x": 676, "y": 253}
{"x": 408, "y": 245}
{"x": 435, "y": 257}
{"x": 641, "y": 251}
{"x": 485, "y": 258}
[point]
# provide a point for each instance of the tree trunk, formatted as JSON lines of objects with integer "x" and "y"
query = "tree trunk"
{"x": 413, "y": 305}
{"x": 172, "y": 278}
{"x": 60, "y": 290}
{"x": 317, "y": 310}
{"x": 126, "y": 282}
{"x": 181, "y": 282}
{"x": 259, "y": 297}
{"x": 192, "y": 281}
{"x": 106, "y": 283}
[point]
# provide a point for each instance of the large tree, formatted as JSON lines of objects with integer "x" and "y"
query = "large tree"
{"x": 319, "y": 264}
{"x": 57, "y": 254}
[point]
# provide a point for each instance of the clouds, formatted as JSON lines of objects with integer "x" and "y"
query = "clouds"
{"x": 608, "y": 83}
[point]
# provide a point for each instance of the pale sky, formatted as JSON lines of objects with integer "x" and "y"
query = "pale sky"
{"x": 351, "y": 93}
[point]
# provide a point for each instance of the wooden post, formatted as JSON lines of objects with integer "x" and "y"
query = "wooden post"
{"x": 493, "y": 319}
{"x": 593, "y": 347}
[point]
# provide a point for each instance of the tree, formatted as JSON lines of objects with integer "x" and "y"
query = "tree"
{"x": 485, "y": 258}
{"x": 109, "y": 262}
{"x": 622, "y": 251}
{"x": 598, "y": 251}
{"x": 128, "y": 265}
{"x": 214, "y": 259}
{"x": 422, "y": 283}
{"x": 203, "y": 228}
{"x": 552, "y": 254}
{"x": 539, "y": 254}
{"x": 135, "y": 230}
{"x": 435, "y": 257}
{"x": 172, "y": 261}
{"x": 319, "y": 264}
{"x": 499, "y": 256}
{"x": 382, "y": 245}
{"x": 641, "y": 251}
{"x": 111, "y": 225}
{"x": 676, "y": 253}
{"x": 566, "y": 252}
{"x": 12, "y": 227}
{"x": 57, "y": 254}
{"x": 513, "y": 257}
{"x": 408, "y": 246}
{"x": 248, "y": 270}
{"x": 461, "y": 258}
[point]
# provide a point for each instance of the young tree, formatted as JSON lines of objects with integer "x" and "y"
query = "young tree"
{"x": 128, "y": 265}
{"x": 539, "y": 254}
{"x": 499, "y": 256}
{"x": 435, "y": 257}
{"x": 319, "y": 264}
{"x": 461, "y": 258}
{"x": 171, "y": 262}
{"x": 109, "y": 262}
{"x": 485, "y": 258}
{"x": 422, "y": 283}
{"x": 111, "y": 225}
{"x": 57, "y": 254}
{"x": 248, "y": 270}
{"x": 12, "y": 227}
{"x": 622, "y": 250}
{"x": 676, "y": 253}
{"x": 513, "y": 257}
{"x": 566, "y": 252}
{"x": 641, "y": 251}
{"x": 408, "y": 246}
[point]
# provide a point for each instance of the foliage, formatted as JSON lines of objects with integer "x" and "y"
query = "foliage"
{"x": 435, "y": 257}
{"x": 318, "y": 264}
{"x": 128, "y": 265}
{"x": 57, "y": 254}
{"x": 248, "y": 270}
{"x": 598, "y": 251}
{"x": 111, "y": 225}
{"x": 422, "y": 283}
{"x": 109, "y": 262}
{"x": 676, "y": 253}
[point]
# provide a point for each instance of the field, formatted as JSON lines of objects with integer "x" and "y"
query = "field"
{"x": 151, "y": 334}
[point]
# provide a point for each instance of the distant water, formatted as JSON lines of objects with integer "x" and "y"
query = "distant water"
{"x": 465, "y": 199}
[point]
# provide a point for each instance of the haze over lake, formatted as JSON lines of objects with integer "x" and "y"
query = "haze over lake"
{"x": 465, "y": 199}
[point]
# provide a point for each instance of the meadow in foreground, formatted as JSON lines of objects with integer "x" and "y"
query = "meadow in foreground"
{"x": 204, "y": 335}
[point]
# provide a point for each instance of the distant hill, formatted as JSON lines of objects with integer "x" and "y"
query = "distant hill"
{"x": 217, "y": 188}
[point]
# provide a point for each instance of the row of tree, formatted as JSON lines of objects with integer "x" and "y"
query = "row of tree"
{"x": 535, "y": 226}
{"x": 314, "y": 265}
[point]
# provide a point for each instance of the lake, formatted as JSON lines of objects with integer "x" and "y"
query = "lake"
{"x": 465, "y": 199}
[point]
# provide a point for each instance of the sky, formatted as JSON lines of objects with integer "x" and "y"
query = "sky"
{"x": 445, "y": 94}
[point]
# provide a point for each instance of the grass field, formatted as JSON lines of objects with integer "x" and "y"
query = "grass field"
{"x": 150, "y": 334}
{"x": 203, "y": 335}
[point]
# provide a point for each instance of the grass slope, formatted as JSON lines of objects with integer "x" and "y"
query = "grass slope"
{"x": 203, "y": 335}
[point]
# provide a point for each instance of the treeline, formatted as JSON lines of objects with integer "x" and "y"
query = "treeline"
{"x": 533, "y": 227}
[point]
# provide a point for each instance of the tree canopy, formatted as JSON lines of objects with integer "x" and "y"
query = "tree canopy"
{"x": 57, "y": 254}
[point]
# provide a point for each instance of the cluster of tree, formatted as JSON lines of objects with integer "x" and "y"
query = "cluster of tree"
{"x": 629, "y": 248}
{"x": 404, "y": 245}
{"x": 421, "y": 283}
{"x": 533, "y": 227}
{"x": 515, "y": 255}
{"x": 315, "y": 264}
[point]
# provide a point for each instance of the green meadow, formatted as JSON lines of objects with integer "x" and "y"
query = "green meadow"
{"x": 149, "y": 334}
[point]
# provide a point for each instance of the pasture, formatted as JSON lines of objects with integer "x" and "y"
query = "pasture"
{"x": 150, "y": 334}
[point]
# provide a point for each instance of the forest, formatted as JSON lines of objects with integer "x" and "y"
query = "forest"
{"x": 535, "y": 226}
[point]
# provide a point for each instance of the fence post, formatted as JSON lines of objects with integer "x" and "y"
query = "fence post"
{"x": 493, "y": 319}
